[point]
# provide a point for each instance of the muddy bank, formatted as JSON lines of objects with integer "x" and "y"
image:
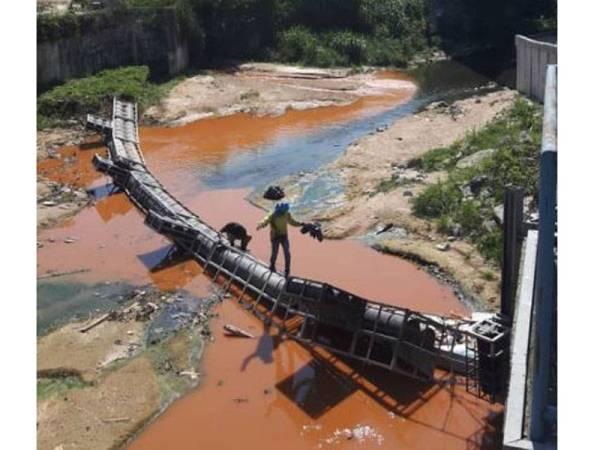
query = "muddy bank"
{"x": 102, "y": 379}
{"x": 268, "y": 89}
{"x": 351, "y": 198}
{"x": 62, "y": 170}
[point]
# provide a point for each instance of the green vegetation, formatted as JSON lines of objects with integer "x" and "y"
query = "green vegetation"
{"x": 77, "y": 97}
{"x": 389, "y": 184}
{"x": 321, "y": 32}
{"x": 341, "y": 48}
{"x": 466, "y": 199}
{"x": 55, "y": 383}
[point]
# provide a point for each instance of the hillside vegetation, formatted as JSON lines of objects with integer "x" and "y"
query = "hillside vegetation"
{"x": 466, "y": 199}
{"x": 325, "y": 32}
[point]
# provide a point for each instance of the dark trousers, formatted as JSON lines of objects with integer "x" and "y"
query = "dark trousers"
{"x": 285, "y": 243}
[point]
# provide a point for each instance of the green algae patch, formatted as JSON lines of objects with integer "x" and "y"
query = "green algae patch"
{"x": 56, "y": 382}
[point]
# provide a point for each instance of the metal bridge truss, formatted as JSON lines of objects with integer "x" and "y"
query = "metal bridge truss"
{"x": 311, "y": 312}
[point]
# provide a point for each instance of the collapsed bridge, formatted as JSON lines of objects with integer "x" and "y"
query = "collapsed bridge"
{"x": 311, "y": 312}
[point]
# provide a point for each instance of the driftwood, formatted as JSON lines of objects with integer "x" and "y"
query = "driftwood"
{"x": 235, "y": 331}
{"x": 97, "y": 322}
{"x": 117, "y": 419}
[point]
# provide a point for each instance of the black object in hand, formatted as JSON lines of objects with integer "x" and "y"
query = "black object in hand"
{"x": 314, "y": 229}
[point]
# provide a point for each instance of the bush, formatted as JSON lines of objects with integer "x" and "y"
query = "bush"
{"x": 77, "y": 97}
{"x": 297, "y": 44}
{"x": 350, "y": 46}
{"x": 438, "y": 199}
{"x": 516, "y": 135}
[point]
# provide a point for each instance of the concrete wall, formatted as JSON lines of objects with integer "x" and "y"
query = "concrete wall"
{"x": 533, "y": 55}
{"x": 137, "y": 39}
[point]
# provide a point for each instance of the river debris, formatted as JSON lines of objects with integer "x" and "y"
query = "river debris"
{"x": 61, "y": 274}
{"x": 190, "y": 373}
{"x": 52, "y": 193}
{"x": 234, "y": 331}
{"x": 443, "y": 247}
{"x": 360, "y": 433}
{"x": 116, "y": 419}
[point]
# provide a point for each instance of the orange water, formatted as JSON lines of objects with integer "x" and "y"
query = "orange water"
{"x": 266, "y": 393}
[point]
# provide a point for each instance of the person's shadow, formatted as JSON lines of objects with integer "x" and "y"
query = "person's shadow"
{"x": 264, "y": 348}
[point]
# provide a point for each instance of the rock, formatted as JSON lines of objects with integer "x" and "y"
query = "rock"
{"x": 190, "y": 373}
{"x": 477, "y": 183}
{"x": 407, "y": 194}
{"x": 381, "y": 128}
{"x": 529, "y": 203}
{"x": 499, "y": 214}
{"x": 476, "y": 158}
{"x": 70, "y": 240}
{"x": 489, "y": 225}
{"x": 39, "y": 244}
{"x": 436, "y": 105}
{"x": 129, "y": 332}
{"x": 49, "y": 203}
{"x": 466, "y": 191}
{"x": 451, "y": 238}
{"x": 443, "y": 247}
{"x": 485, "y": 193}
{"x": 457, "y": 230}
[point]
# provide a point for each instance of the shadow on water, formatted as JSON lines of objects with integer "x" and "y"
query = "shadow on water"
{"x": 265, "y": 347}
{"x": 321, "y": 385}
{"x": 286, "y": 155}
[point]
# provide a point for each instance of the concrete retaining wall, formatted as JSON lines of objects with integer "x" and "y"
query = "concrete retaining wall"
{"x": 533, "y": 56}
{"x": 138, "y": 39}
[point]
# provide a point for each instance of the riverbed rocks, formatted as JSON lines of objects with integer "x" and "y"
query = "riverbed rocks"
{"x": 57, "y": 202}
{"x": 475, "y": 158}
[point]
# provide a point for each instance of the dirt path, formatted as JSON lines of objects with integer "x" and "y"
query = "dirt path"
{"x": 267, "y": 89}
{"x": 367, "y": 206}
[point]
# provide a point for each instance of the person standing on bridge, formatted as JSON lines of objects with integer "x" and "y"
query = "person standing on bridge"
{"x": 279, "y": 219}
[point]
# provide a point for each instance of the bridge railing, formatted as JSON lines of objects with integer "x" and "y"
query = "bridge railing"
{"x": 533, "y": 349}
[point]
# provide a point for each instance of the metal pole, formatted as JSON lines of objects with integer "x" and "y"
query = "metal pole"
{"x": 512, "y": 233}
{"x": 545, "y": 286}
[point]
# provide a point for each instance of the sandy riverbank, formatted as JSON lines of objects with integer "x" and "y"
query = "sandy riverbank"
{"x": 268, "y": 89}
{"x": 363, "y": 207}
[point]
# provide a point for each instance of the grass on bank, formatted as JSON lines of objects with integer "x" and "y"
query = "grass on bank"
{"x": 515, "y": 133}
{"x": 93, "y": 94}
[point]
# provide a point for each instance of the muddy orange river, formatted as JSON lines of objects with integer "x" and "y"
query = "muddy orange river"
{"x": 266, "y": 392}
